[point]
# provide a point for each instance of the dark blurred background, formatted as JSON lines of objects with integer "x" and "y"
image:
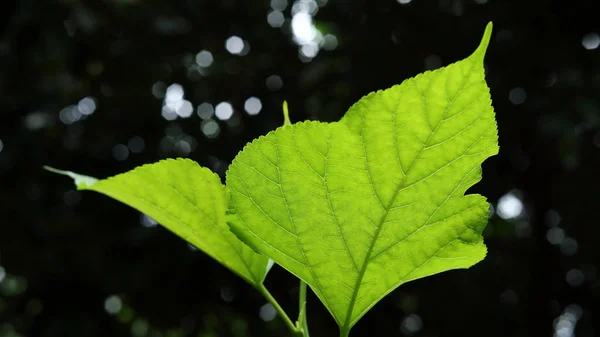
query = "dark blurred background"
{"x": 99, "y": 87}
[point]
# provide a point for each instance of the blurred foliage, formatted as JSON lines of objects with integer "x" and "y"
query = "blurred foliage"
{"x": 83, "y": 85}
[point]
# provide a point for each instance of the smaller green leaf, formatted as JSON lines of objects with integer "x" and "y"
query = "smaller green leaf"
{"x": 190, "y": 201}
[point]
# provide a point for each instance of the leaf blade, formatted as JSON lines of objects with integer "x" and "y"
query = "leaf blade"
{"x": 339, "y": 204}
{"x": 448, "y": 114}
{"x": 190, "y": 201}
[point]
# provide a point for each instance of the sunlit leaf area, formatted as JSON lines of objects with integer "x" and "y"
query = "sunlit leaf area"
{"x": 103, "y": 87}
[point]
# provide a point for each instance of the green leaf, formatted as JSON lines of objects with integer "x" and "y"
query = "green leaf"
{"x": 190, "y": 201}
{"x": 358, "y": 207}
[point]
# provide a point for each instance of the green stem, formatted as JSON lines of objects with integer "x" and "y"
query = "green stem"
{"x": 278, "y": 308}
{"x": 344, "y": 332}
{"x": 302, "y": 308}
{"x": 286, "y": 114}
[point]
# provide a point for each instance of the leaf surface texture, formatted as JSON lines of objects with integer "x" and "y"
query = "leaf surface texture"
{"x": 356, "y": 208}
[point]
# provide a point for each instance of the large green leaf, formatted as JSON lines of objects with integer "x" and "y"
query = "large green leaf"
{"x": 190, "y": 201}
{"x": 358, "y": 207}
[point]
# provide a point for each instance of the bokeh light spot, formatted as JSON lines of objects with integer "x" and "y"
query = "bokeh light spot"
{"x": 136, "y": 144}
{"x": 210, "y": 128}
{"x": 174, "y": 105}
{"x": 569, "y": 246}
{"x": 87, "y": 106}
{"x": 139, "y": 327}
{"x": 509, "y": 206}
{"x": 186, "y": 109}
{"x": 305, "y": 6}
{"x": 95, "y": 68}
{"x": 433, "y": 62}
{"x": 509, "y": 297}
{"x": 223, "y": 111}
{"x": 309, "y": 50}
{"x": 590, "y": 41}
{"x": 267, "y": 313}
{"x": 234, "y": 45}
{"x": 555, "y": 235}
{"x": 303, "y": 29}
{"x": 575, "y": 277}
{"x": 174, "y": 94}
{"x": 113, "y": 304}
{"x": 330, "y": 42}
{"x": 205, "y": 110}
{"x": 120, "y": 152}
{"x": 253, "y": 106}
{"x": 227, "y": 294}
{"x": 552, "y": 218}
{"x": 69, "y": 115}
{"x": 412, "y": 324}
{"x": 158, "y": 89}
{"x": 38, "y": 120}
{"x": 305, "y": 34}
{"x": 274, "y": 82}
{"x": 182, "y": 147}
{"x": 204, "y": 58}
{"x": 564, "y": 325}
{"x": 168, "y": 114}
{"x": 12, "y": 285}
{"x": 517, "y": 96}
{"x": 275, "y": 19}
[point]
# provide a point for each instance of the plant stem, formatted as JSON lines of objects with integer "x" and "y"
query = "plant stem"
{"x": 278, "y": 308}
{"x": 344, "y": 332}
{"x": 286, "y": 114}
{"x": 302, "y": 308}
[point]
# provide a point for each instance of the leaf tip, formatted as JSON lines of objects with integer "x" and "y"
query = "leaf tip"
{"x": 237, "y": 228}
{"x": 82, "y": 182}
{"x": 54, "y": 170}
{"x": 485, "y": 40}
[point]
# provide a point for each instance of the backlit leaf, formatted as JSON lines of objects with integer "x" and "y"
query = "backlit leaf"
{"x": 190, "y": 201}
{"x": 358, "y": 207}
